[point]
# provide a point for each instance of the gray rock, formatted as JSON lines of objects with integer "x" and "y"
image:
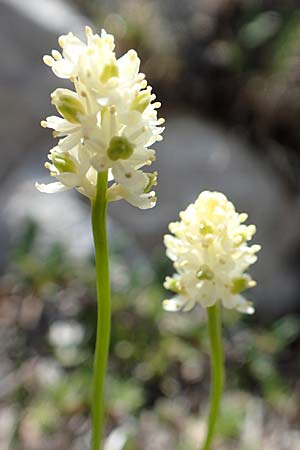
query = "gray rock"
{"x": 28, "y": 30}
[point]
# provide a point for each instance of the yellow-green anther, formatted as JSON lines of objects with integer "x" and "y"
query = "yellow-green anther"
{"x": 152, "y": 181}
{"x": 110, "y": 70}
{"x": 141, "y": 101}
{"x": 119, "y": 148}
{"x": 206, "y": 229}
{"x": 205, "y": 273}
{"x": 238, "y": 285}
{"x": 67, "y": 105}
{"x": 63, "y": 163}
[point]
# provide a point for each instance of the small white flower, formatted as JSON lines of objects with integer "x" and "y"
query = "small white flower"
{"x": 72, "y": 170}
{"x": 111, "y": 115}
{"x": 211, "y": 255}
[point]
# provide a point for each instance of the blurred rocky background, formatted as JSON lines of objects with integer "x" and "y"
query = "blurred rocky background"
{"x": 228, "y": 75}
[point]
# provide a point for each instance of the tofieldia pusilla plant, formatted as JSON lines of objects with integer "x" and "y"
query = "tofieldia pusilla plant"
{"x": 106, "y": 125}
{"x": 210, "y": 251}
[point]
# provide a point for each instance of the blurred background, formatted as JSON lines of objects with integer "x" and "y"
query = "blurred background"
{"x": 228, "y": 75}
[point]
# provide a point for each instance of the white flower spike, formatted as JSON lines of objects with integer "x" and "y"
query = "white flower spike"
{"x": 108, "y": 122}
{"x": 211, "y": 255}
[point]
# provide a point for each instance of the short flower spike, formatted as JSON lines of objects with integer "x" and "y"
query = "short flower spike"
{"x": 209, "y": 247}
{"x": 108, "y": 122}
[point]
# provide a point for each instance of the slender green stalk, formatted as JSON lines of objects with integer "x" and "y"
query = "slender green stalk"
{"x": 217, "y": 368}
{"x": 99, "y": 206}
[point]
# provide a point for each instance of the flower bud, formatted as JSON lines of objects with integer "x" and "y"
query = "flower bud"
{"x": 67, "y": 104}
{"x": 110, "y": 70}
{"x": 63, "y": 162}
{"x": 239, "y": 285}
{"x": 141, "y": 101}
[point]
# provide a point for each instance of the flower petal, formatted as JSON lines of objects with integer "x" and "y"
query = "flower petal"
{"x": 51, "y": 188}
{"x": 132, "y": 179}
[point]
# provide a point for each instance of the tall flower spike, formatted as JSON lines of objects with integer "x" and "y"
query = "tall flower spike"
{"x": 111, "y": 114}
{"x": 107, "y": 124}
{"x": 211, "y": 255}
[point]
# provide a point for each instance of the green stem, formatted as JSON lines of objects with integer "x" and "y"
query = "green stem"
{"x": 217, "y": 368}
{"x": 99, "y": 206}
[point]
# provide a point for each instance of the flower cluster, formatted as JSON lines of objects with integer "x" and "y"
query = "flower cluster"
{"x": 211, "y": 255}
{"x": 108, "y": 122}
